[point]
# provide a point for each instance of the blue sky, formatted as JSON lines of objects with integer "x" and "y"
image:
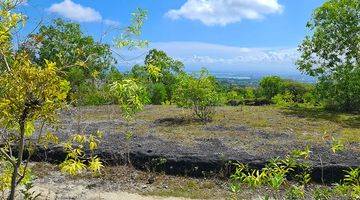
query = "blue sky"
{"x": 222, "y": 35}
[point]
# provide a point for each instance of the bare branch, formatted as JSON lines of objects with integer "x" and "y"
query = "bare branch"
{"x": 7, "y": 157}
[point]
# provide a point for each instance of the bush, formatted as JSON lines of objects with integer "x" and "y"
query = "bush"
{"x": 297, "y": 89}
{"x": 283, "y": 100}
{"x": 90, "y": 95}
{"x": 130, "y": 95}
{"x": 158, "y": 93}
{"x": 233, "y": 98}
{"x": 271, "y": 86}
{"x": 285, "y": 92}
{"x": 199, "y": 93}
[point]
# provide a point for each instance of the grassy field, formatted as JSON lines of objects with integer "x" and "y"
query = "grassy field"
{"x": 255, "y": 129}
{"x": 236, "y": 125}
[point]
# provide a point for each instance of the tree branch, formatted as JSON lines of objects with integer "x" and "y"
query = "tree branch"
{"x": 7, "y": 157}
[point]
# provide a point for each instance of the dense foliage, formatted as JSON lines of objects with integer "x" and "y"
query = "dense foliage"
{"x": 29, "y": 92}
{"x": 273, "y": 90}
{"x": 286, "y": 92}
{"x": 80, "y": 59}
{"x": 159, "y": 73}
{"x": 331, "y": 53}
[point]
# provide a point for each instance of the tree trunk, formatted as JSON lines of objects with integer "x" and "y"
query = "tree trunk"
{"x": 20, "y": 156}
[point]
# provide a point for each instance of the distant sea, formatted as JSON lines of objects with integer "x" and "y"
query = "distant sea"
{"x": 251, "y": 78}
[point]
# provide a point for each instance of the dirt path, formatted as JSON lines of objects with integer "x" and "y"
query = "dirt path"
{"x": 81, "y": 193}
{"x": 56, "y": 186}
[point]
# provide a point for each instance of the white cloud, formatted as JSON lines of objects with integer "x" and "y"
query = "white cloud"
{"x": 224, "y": 58}
{"x": 79, "y": 13}
{"x": 111, "y": 22}
{"x": 75, "y": 11}
{"x": 223, "y": 12}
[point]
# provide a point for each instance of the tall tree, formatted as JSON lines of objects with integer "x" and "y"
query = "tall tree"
{"x": 33, "y": 90}
{"x": 332, "y": 53}
{"x": 160, "y": 72}
{"x": 79, "y": 57}
{"x": 28, "y": 93}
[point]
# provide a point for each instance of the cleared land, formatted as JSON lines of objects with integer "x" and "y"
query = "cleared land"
{"x": 167, "y": 139}
{"x": 257, "y": 130}
{"x": 172, "y": 123}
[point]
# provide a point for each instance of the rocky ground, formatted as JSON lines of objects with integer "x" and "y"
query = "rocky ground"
{"x": 168, "y": 140}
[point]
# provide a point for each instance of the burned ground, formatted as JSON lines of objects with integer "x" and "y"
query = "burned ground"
{"x": 167, "y": 139}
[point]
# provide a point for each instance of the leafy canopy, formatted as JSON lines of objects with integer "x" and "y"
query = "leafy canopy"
{"x": 331, "y": 53}
{"x": 159, "y": 73}
{"x": 29, "y": 92}
{"x": 79, "y": 58}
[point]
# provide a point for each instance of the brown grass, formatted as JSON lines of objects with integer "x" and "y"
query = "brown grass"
{"x": 172, "y": 123}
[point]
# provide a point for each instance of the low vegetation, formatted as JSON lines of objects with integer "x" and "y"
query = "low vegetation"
{"x": 278, "y": 172}
{"x": 58, "y": 66}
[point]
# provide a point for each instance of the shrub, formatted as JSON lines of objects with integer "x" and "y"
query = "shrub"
{"x": 130, "y": 95}
{"x": 283, "y": 100}
{"x": 233, "y": 98}
{"x": 295, "y": 193}
{"x": 158, "y": 93}
{"x": 271, "y": 86}
{"x": 90, "y": 95}
{"x": 250, "y": 93}
{"x": 199, "y": 93}
{"x": 297, "y": 89}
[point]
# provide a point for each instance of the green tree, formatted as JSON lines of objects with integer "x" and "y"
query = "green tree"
{"x": 157, "y": 93}
{"x": 161, "y": 60}
{"x": 131, "y": 96}
{"x": 199, "y": 93}
{"x": 79, "y": 58}
{"x": 29, "y": 93}
{"x": 168, "y": 67}
{"x": 331, "y": 53}
{"x": 32, "y": 91}
{"x": 158, "y": 69}
{"x": 270, "y": 86}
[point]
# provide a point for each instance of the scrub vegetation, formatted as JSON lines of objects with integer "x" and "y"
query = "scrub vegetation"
{"x": 58, "y": 67}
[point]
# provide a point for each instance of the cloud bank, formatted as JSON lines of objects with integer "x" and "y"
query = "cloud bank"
{"x": 196, "y": 55}
{"x": 224, "y": 12}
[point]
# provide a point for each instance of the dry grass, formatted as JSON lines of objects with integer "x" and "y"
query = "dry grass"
{"x": 302, "y": 123}
{"x": 234, "y": 124}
